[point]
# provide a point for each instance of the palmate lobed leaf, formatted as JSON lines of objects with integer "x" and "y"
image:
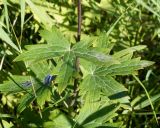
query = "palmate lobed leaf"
{"x": 98, "y": 80}
{"x": 96, "y": 87}
{"x": 56, "y": 46}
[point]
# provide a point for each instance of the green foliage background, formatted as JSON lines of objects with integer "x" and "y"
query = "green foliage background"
{"x": 119, "y": 37}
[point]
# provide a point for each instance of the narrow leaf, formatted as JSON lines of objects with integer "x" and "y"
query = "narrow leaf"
{"x": 22, "y": 5}
{"x": 4, "y": 36}
{"x": 25, "y": 101}
{"x": 6, "y": 14}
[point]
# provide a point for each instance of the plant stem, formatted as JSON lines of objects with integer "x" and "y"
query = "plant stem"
{"x": 79, "y": 20}
{"x": 75, "y": 94}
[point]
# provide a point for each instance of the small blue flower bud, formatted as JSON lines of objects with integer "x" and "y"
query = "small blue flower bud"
{"x": 26, "y": 84}
{"x": 48, "y": 79}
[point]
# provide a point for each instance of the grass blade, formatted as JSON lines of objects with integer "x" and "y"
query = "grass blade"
{"x": 148, "y": 96}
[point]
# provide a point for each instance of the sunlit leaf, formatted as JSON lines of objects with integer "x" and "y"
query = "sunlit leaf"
{"x": 81, "y": 50}
{"x": 124, "y": 68}
{"x": 41, "y": 14}
{"x": 42, "y": 52}
{"x": 16, "y": 84}
{"x": 54, "y": 36}
{"x": 43, "y": 95}
{"x": 66, "y": 71}
{"x": 22, "y": 5}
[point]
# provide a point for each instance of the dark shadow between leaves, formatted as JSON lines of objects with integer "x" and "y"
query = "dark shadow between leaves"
{"x": 118, "y": 95}
{"x": 100, "y": 113}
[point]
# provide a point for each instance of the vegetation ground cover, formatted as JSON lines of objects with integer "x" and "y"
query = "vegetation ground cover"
{"x": 108, "y": 78}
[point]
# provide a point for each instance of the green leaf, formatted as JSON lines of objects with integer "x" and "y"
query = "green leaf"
{"x": 103, "y": 43}
{"x": 144, "y": 103}
{"x": 41, "y": 70}
{"x": 141, "y": 2}
{"x": 6, "y": 13}
{"x": 4, "y": 36}
{"x": 94, "y": 86}
{"x": 42, "y": 52}
{"x": 40, "y": 14}
{"x": 56, "y": 47}
{"x": 25, "y": 101}
{"x": 22, "y": 5}
{"x": 66, "y": 71}
{"x": 6, "y": 116}
{"x": 96, "y": 113}
{"x": 54, "y": 36}
{"x": 43, "y": 95}
{"x": 105, "y": 125}
{"x": 7, "y": 124}
{"x": 15, "y": 84}
{"x": 58, "y": 120}
{"x": 124, "y": 68}
{"x": 81, "y": 50}
{"x": 102, "y": 114}
{"x": 127, "y": 54}
{"x": 87, "y": 109}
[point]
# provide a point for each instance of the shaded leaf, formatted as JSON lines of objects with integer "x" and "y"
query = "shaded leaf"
{"x": 4, "y": 36}
{"x": 102, "y": 114}
{"x": 25, "y": 101}
{"x": 58, "y": 120}
{"x": 144, "y": 103}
